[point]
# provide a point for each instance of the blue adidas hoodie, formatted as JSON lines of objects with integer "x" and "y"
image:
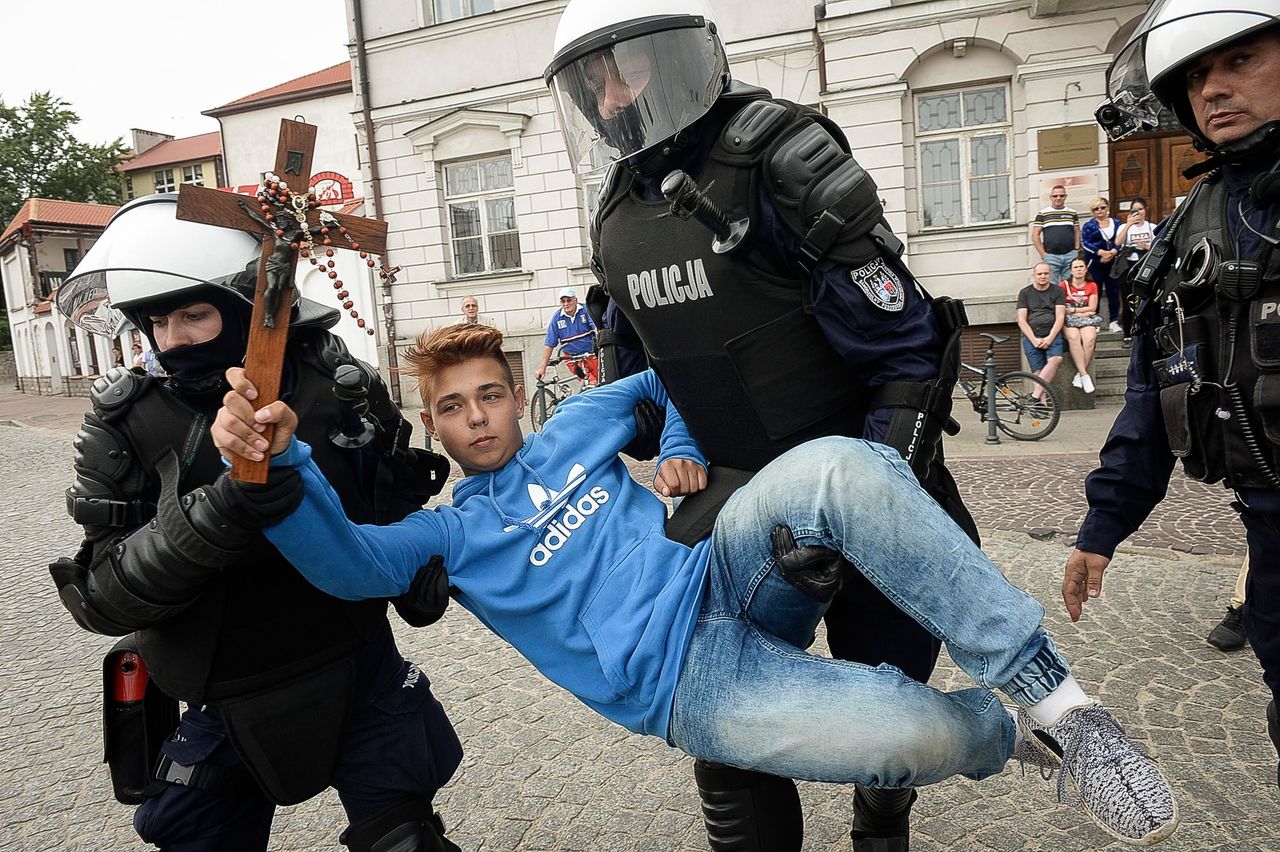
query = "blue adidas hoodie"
{"x": 560, "y": 552}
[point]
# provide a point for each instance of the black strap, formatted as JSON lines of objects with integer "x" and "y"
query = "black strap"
{"x": 203, "y": 776}
{"x": 822, "y": 233}
{"x": 177, "y": 527}
{"x": 97, "y": 511}
{"x": 918, "y": 396}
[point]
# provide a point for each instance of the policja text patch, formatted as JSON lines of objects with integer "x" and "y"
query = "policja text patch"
{"x": 880, "y": 284}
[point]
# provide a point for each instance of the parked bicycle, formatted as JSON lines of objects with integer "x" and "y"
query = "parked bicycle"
{"x": 550, "y": 392}
{"x": 1025, "y": 406}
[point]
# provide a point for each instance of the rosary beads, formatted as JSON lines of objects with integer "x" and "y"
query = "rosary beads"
{"x": 277, "y": 199}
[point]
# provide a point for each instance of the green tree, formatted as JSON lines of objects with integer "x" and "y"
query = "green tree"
{"x": 40, "y": 157}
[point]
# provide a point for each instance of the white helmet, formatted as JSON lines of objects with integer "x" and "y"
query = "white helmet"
{"x": 627, "y": 76}
{"x": 1171, "y": 34}
{"x": 147, "y": 253}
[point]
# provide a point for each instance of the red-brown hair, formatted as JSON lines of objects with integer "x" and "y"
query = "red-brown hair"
{"x": 451, "y": 345}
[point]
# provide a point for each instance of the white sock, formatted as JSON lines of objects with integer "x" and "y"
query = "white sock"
{"x": 1017, "y": 729}
{"x": 1050, "y": 709}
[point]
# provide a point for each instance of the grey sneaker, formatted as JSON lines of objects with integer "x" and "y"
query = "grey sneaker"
{"x": 1116, "y": 783}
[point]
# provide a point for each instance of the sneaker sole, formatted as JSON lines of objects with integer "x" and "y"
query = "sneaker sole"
{"x": 1150, "y": 839}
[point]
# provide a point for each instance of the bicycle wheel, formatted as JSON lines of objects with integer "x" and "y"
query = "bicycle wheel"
{"x": 541, "y": 407}
{"x": 1026, "y": 407}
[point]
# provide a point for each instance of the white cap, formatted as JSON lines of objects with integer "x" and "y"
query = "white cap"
{"x": 568, "y": 293}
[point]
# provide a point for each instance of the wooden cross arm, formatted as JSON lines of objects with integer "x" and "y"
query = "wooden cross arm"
{"x": 216, "y": 207}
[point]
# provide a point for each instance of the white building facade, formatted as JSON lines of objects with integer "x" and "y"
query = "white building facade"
{"x": 965, "y": 112}
{"x": 38, "y": 248}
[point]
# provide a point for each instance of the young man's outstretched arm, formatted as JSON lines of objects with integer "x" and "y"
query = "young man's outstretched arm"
{"x": 341, "y": 558}
{"x": 354, "y": 561}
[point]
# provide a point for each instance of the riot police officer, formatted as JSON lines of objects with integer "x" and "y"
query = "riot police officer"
{"x": 288, "y": 691}
{"x": 1204, "y": 379}
{"x": 782, "y": 314}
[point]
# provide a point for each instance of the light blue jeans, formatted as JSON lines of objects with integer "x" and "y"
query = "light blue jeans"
{"x": 1061, "y": 266}
{"x": 750, "y": 696}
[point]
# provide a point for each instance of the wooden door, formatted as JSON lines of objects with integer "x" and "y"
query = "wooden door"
{"x": 1150, "y": 166}
{"x": 1178, "y": 153}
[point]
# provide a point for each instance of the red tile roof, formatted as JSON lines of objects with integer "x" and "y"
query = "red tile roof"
{"x": 189, "y": 149}
{"x": 45, "y": 211}
{"x": 331, "y": 80}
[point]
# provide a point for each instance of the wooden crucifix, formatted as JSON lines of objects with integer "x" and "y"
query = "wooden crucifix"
{"x": 292, "y": 224}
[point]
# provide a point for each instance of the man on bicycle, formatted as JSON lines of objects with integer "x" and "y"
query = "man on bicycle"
{"x": 572, "y": 328}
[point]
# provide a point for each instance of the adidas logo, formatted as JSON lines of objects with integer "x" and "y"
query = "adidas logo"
{"x": 549, "y": 503}
{"x": 559, "y": 530}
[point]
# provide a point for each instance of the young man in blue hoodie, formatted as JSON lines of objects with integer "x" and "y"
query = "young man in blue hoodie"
{"x": 554, "y": 546}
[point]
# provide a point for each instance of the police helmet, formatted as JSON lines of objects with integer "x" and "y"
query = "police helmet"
{"x": 628, "y": 76}
{"x": 145, "y": 255}
{"x": 1149, "y": 70}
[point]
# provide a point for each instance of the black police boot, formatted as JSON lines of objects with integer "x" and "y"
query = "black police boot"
{"x": 1273, "y": 731}
{"x": 411, "y": 826}
{"x": 882, "y": 818}
{"x": 1229, "y": 634}
{"x": 748, "y": 811}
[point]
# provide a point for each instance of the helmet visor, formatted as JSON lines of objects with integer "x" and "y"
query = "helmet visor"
{"x": 147, "y": 254}
{"x": 1171, "y": 34}
{"x": 626, "y": 97}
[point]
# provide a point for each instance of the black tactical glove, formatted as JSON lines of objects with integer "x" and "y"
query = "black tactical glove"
{"x": 815, "y": 570}
{"x": 430, "y": 470}
{"x": 428, "y": 595}
{"x": 650, "y": 421}
{"x": 250, "y": 506}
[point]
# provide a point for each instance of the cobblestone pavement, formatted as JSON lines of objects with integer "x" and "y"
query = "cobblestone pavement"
{"x": 1045, "y": 493}
{"x": 543, "y": 773}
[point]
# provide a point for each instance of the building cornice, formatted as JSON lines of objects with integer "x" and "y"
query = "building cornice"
{"x": 462, "y": 26}
{"x": 846, "y": 19}
{"x": 770, "y": 46}
{"x": 1059, "y": 67}
{"x": 864, "y": 94}
{"x": 431, "y": 109}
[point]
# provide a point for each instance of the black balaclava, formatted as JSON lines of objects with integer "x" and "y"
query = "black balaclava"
{"x": 198, "y": 370}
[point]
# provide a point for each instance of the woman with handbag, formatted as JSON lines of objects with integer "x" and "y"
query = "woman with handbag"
{"x": 1083, "y": 322}
{"x": 1099, "y": 236}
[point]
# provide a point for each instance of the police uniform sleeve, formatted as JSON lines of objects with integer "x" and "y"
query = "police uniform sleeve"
{"x": 823, "y": 209}
{"x": 1135, "y": 463}
{"x": 895, "y": 344}
{"x": 872, "y": 314}
{"x": 118, "y": 584}
{"x": 142, "y": 561}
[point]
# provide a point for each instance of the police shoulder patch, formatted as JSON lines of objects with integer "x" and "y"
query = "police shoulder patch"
{"x": 880, "y": 284}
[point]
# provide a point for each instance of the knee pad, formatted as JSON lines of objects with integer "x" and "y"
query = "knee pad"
{"x": 882, "y": 818}
{"x": 410, "y": 826}
{"x": 748, "y": 811}
{"x": 817, "y": 571}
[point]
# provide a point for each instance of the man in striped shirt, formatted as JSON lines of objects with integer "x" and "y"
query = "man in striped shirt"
{"x": 1056, "y": 234}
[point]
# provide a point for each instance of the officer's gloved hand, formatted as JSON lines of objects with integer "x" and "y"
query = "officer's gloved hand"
{"x": 817, "y": 571}
{"x": 247, "y": 505}
{"x": 649, "y": 423}
{"x": 428, "y": 595}
{"x": 430, "y": 470}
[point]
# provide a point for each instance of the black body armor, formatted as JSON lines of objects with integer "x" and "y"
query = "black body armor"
{"x": 251, "y": 622}
{"x": 718, "y": 351}
{"x": 1216, "y": 322}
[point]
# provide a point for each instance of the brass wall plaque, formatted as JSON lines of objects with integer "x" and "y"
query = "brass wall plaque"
{"x": 1068, "y": 147}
